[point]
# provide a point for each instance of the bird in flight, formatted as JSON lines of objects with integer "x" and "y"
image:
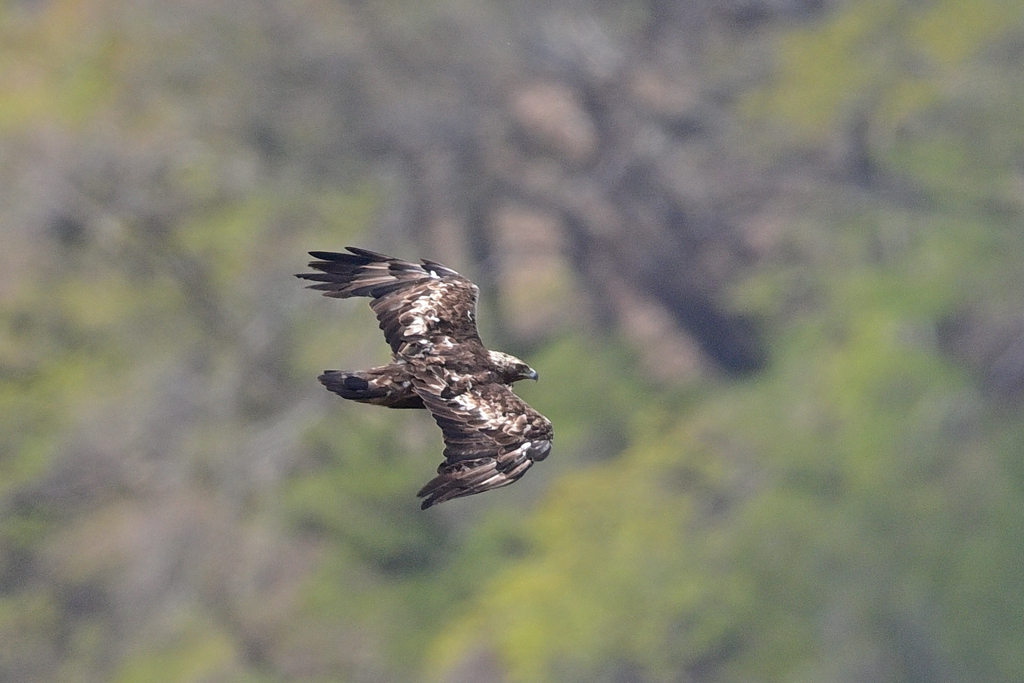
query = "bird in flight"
{"x": 428, "y": 314}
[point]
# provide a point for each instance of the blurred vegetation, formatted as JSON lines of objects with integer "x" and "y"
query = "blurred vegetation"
{"x": 836, "y": 497}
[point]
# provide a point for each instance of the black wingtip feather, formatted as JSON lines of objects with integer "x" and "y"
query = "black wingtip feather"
{"x": 315, "y": 277}
{"x": 327, "y": 255}
{"x": 366, "y": 253}
{"x": 356, "y": 257}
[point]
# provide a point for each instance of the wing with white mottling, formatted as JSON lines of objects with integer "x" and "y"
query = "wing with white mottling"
{"x": 491, "y": 438}
{"x": 418, "y": 305}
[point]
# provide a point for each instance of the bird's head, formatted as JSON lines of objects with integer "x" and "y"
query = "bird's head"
{"x": 510, "y": 368}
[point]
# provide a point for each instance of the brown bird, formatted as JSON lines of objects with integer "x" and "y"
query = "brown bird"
{"x": 428, "y": 314}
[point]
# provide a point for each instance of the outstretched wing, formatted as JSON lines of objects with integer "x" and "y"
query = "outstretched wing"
{"x": 419, "y": 306}
{"x": 491, "y": 438}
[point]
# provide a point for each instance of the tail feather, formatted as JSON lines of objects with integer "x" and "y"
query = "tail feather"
{"x": 383, "y": 386}
{"x": 351, "y": 385}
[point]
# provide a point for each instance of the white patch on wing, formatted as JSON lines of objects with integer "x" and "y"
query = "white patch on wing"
{"x": 472, "y": 403}
{"x": 466, "y": 402}
{"x": 417, "y": 328}
{"x": 424, "y": 311}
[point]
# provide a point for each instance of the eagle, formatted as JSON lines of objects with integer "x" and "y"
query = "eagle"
{"x": 427, "y": 312}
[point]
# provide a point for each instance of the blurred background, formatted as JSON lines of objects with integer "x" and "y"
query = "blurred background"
{"x": 766, "y": 255}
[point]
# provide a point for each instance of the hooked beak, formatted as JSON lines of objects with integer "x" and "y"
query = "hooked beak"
{"x": 532, "y": 374}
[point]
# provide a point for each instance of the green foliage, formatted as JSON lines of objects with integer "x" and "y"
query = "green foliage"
{"x": 198, "y": 654}
{"x": 589, "y": 388}
{"x": 887, "y": 60}
{"x": 353, "y": 493}
{"x": 51, "y": 70}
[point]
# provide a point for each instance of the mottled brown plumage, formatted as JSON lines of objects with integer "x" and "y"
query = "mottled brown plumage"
{"x": 428, "y": 314}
